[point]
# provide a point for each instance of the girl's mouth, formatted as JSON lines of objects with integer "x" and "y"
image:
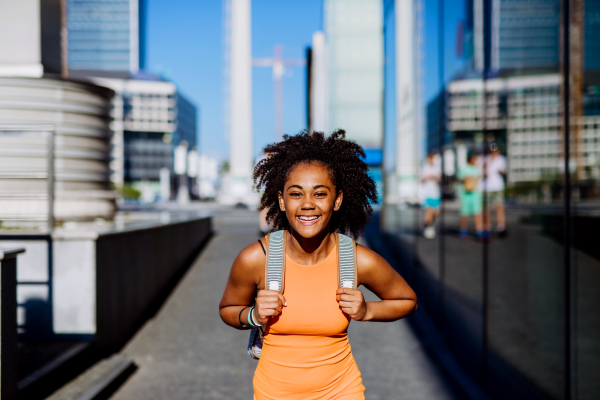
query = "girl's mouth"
{"x": 308, "y": 220}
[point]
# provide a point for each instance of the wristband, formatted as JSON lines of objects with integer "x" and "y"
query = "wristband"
{"x": 244, "y": 326}
{"x": 250, "y": 319}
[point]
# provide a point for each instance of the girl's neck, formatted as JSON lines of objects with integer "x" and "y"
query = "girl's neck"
{"x": 309, "y": 251}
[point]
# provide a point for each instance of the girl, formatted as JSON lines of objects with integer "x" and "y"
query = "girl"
{"x": 314, "y": 186}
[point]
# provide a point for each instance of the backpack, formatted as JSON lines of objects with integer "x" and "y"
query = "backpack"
{"x": 275, "y": 275}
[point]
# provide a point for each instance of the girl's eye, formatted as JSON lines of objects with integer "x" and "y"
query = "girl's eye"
{"x": 296, "y": 194}
{"x": 321, "y": 194}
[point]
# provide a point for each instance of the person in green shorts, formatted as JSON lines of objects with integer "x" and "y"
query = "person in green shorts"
{"x": 469, "y": 194}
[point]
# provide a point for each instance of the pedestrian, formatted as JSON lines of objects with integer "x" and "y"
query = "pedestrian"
{"x": 314, "y": 186}
{"x": 494, "y": 189}
{"x": 469, "y": 194}
{"x": 431, "y": 177}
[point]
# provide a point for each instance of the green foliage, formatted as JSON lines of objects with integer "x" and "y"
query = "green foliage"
{"x": 224, "y": 167}
{"x": 129, "y": 192}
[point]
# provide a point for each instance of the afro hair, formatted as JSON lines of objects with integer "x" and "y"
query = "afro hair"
{"x": 344, "y": 160}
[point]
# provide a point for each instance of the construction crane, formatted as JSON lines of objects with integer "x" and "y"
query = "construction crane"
{"x": 279, "y": 65}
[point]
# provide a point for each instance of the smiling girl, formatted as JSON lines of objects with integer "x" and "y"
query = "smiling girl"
{"x": 314, "y": 186}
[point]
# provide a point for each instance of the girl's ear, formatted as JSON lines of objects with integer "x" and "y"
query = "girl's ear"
{"x": 338, "y": 201}
{"x": 281, "y": 203}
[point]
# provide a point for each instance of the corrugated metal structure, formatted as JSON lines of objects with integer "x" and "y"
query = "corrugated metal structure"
{"x": 68, "y": 122}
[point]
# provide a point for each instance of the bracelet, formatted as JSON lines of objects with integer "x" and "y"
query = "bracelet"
{"x": 244, "y": 326}
{"x": 250, "y": 319}
{"x": 251, "y": 314}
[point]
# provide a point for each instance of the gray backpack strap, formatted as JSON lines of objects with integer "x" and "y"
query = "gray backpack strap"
{"x": 346, "y": 262}
{"x": 274, "y": 280}
{"x": 275, "y": 268}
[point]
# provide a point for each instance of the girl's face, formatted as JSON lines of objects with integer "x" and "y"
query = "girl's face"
{"x": 309, "y": 199}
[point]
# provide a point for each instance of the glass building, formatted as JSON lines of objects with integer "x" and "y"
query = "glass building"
{"x": 106, "y": 35}
{"x": 355, "y": 73}
{"x": 525, "y": 34}
{"x": 506, "y": 267}
{"x": 353, "y": 31}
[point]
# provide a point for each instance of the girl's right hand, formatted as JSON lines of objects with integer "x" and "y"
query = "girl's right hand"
{"x": 269, "y": 303}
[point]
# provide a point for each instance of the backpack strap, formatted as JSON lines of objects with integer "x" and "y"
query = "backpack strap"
{"x": 346, "y": 261}
{"x": 275, "y": 261}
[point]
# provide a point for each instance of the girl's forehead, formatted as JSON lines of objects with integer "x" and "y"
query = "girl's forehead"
{"x": 309, "y": 171}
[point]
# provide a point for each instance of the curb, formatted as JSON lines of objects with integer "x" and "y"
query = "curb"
{"x": 98, "y": 382}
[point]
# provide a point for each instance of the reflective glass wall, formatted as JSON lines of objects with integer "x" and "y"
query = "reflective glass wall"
{"x": 492, "y": 204}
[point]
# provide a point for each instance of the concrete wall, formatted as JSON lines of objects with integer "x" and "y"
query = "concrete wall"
{"x": 100, "y": 285}
{"x": 133, "y": 271}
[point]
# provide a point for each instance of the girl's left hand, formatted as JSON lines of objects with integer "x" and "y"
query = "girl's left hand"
{"x": 352, "y": 302}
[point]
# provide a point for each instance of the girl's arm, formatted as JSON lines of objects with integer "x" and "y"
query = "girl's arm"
{"x": 245, "y": 276}
{"x": 398, "y": 300}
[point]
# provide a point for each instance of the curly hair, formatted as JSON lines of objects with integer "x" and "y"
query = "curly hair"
{"x": 348, "y": 172}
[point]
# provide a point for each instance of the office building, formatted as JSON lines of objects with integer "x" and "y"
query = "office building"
{"x": 150, "y": 119}
{"x": 525, "y": 34}
{"x": 106, "y": 35}
{"x": 353, "y": 32}
{"x": 525, "y": 111}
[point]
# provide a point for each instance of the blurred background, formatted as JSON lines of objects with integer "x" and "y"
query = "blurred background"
{"x": 129, "y": 130}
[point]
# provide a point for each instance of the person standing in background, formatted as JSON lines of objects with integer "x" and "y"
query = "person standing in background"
{"x": 494, "y": 189}
{"x": 469, "y": 193}
{"x": 431, "y": 176}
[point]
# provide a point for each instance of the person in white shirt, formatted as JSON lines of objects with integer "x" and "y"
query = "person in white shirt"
{"x": 493, "y": 186}
{"x": 431, "y": 177}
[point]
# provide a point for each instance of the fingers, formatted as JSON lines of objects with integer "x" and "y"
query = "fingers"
{"x": 351, "y": 302}
{"x": 269, "y": 303}
{"x": 282, "y": 299}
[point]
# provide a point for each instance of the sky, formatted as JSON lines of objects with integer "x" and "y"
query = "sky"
{"x": 184, "y": 45}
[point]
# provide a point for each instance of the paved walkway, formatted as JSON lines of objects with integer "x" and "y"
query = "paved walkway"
{"x": 186, "y": 352}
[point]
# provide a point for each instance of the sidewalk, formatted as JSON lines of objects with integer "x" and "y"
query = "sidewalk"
{"x": 186, "y": 352}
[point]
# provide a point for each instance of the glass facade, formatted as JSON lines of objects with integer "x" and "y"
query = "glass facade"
{"x": 355, "y": 58}
{"x": 498, "y": 238}
{"x": 106, "y": 35}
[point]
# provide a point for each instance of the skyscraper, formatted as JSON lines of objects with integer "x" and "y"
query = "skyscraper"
{"x": 353, "y": 31}
{"x": 525, "y": 34}
{"x": 106, "y": 35}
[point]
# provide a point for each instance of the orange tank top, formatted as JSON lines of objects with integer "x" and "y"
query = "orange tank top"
{"x": 306, "y": 354}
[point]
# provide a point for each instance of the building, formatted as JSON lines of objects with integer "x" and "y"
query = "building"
{"x": 436, "y": 123}
{"x": 150, "y": 119}
{"x": 525, "y": 34}
{"x": 353, "y": 62}
{"x": 106, "y": 35}
{"x": 591, "y": 33}
{"x": 404, "y": 133}
{"x": 106, "y": 45}
{"x": 524, "y": 113}
{"x": 353, "y": 31}
{"x": 236, "y": 186}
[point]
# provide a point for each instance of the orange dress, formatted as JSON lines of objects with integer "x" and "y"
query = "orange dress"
{"x": 306, "y": 354}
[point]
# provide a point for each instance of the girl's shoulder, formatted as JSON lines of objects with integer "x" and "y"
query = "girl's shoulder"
{"x": 251, "y": 260}
{"x": 367, "y": 259}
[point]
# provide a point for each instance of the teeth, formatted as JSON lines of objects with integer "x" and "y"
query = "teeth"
{"x": 312, "y": 218}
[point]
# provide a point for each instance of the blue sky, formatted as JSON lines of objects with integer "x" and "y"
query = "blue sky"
{"x": 184, "y": 44}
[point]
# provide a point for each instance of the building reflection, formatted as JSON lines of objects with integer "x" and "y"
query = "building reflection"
{"x": 518, "y": 305}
